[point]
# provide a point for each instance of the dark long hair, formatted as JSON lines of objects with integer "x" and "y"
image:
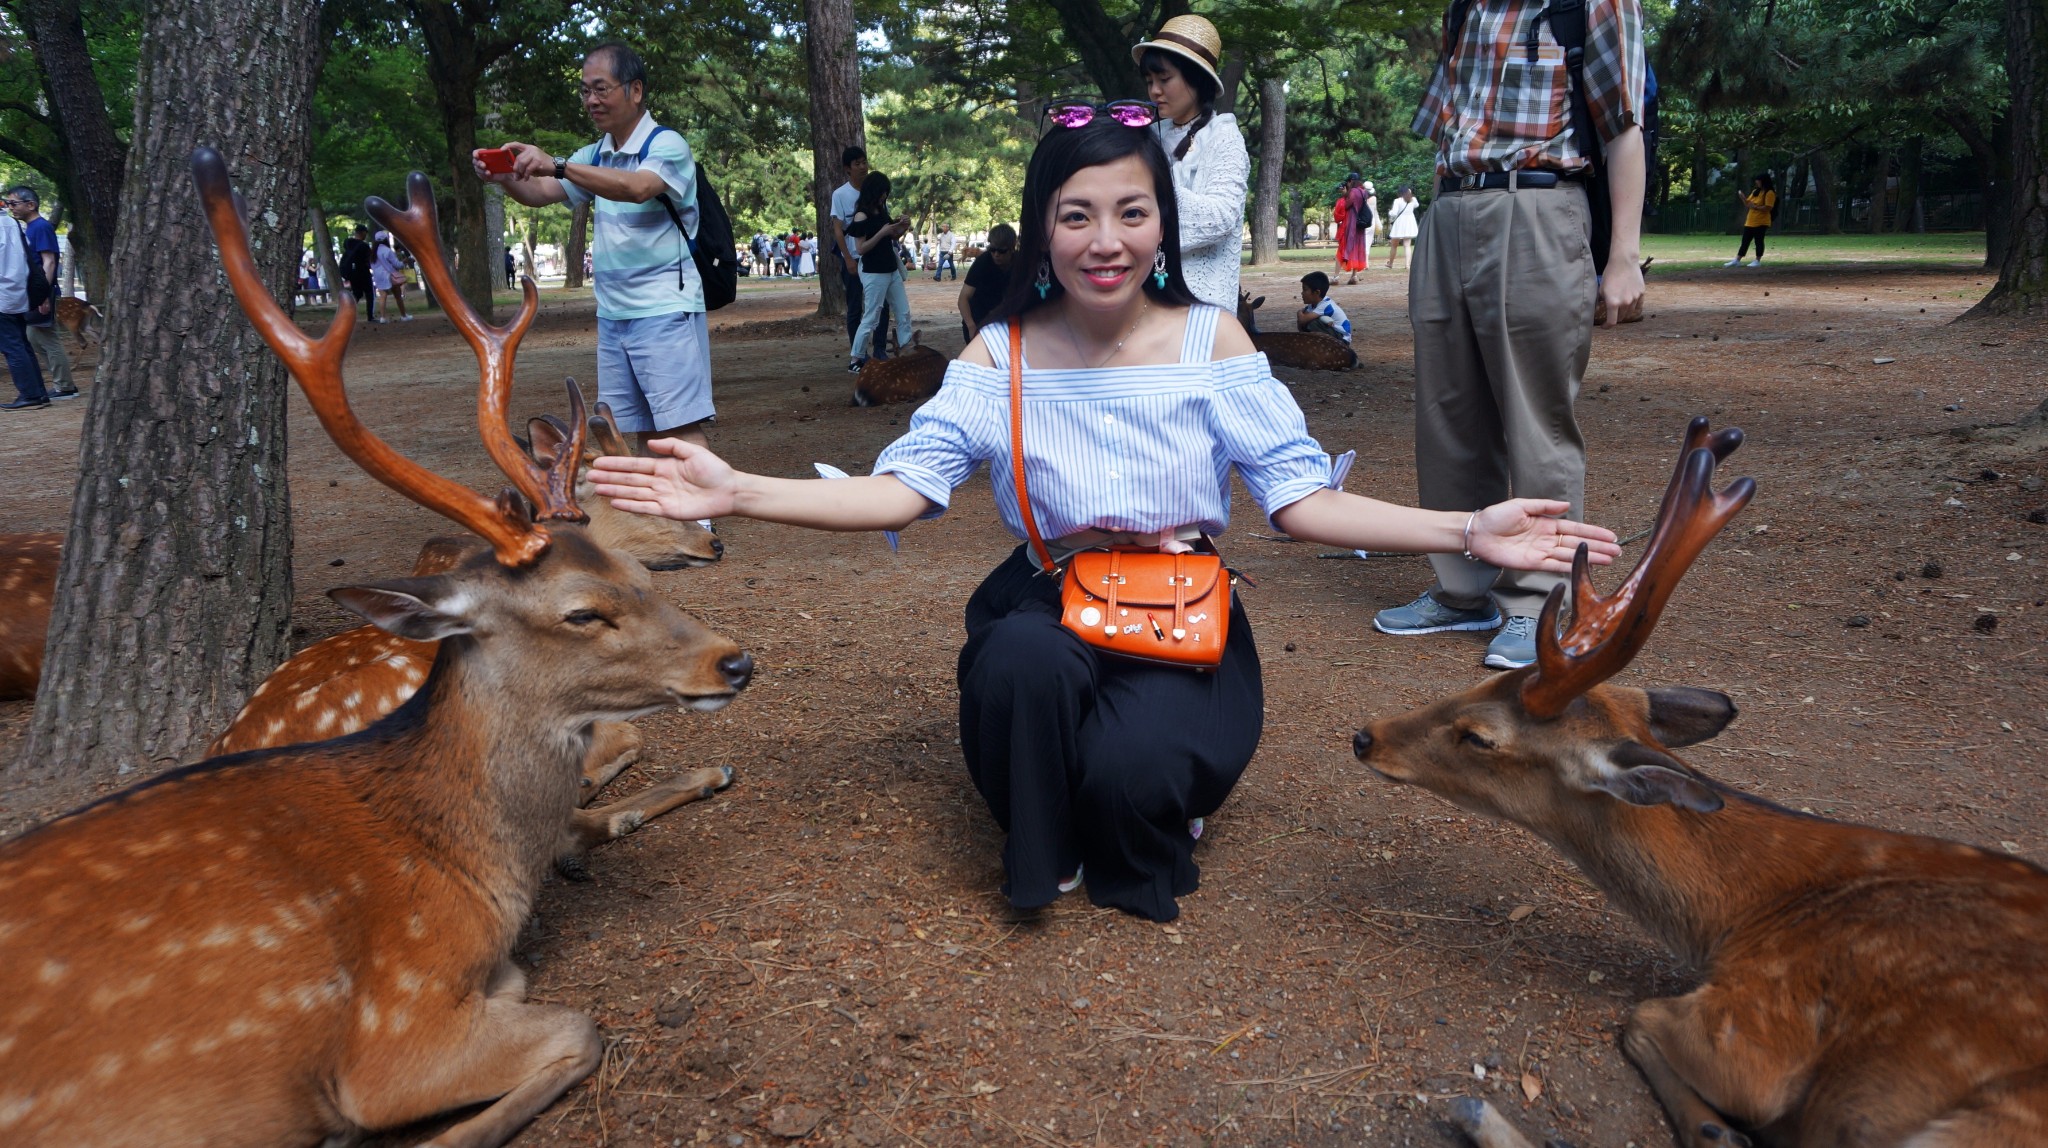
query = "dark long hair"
{"x": 874, "y": 193}
{"x": 1765, "y": 179}
{"x": 1063, "y": 152}
{"x": 1206, "y": 89}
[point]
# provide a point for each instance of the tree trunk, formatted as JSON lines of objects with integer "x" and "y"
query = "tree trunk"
{"x": 323, "y": 243}
{"x": 526, "y": 242}
{"x": 836, "y": 124}
{"x": 1232, "y": 76}
{"x": 2022, "y": 287}
{"x": 96, "y": 157}
{"x": 1297, "y": 232}
{"x": 174, "y": 597}
{"x": 1272, "y": 154}
{"x": 1100, "y": 42}
{"x": 494, "y": 235}
{"x": 573, "y": 247}
{"x": 456, "y": 67}
{"x": 1824, "y": 193}
{"x": 1912, "y": 216}
{"x": 1880, "y": 177}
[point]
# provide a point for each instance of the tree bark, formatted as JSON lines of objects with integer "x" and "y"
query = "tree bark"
{"x": 1824, "y": 193}
{"x": 1297, "y": 232}
{"x": 174, "y": 597}
{"x": 1103, "y": 47}
{"x": 836, "y": 124}
{"x": 1272, "y": 154}
{"x": 573, "y": 248}
{"x": 94, "y": 155}
{"x": 1880, "y": 177}
{"x": 2022, "y": 287}
{"x": 323, "y": 242}
{"x": 494, "y": 234}
{"x": 1232, "y": 77}
{"x": 456, "y": 60}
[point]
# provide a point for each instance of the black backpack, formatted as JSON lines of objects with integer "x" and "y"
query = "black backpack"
{"x": 712, "y": 247}
{"x": 38, "y": 283}
{"x": 1568, "y": 26}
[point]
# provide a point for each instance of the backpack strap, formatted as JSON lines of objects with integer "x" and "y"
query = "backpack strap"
{"x": 1568, "y": 25}
{"x": 668, "y": 205}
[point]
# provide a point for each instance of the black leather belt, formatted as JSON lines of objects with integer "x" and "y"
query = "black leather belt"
{"x": 1493, "y": 180}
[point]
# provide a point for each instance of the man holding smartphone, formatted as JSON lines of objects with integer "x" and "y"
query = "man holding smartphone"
{"x": 653, "y": 340}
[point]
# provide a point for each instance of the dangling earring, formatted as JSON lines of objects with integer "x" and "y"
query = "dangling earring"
{"x": 1159, "y": 268}
{"x": 1044, "y": 282}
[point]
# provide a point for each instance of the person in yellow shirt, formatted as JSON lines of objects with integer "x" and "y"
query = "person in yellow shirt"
{"x": 1762, "y": 202}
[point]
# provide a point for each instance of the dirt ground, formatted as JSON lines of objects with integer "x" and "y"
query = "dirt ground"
{"x": 821, "y": 952}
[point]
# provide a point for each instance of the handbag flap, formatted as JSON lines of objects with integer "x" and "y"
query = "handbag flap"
{"x": 1147, "y": 575}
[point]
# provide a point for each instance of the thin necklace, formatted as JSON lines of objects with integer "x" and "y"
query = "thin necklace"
{"x": 1083, "y": 355}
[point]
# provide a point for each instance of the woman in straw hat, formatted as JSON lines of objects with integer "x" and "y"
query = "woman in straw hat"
{"x": 1210, "y": 164}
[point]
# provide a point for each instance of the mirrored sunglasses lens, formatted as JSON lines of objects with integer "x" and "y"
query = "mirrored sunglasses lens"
{"x": 1131, "y": 115}
{"x": 1072, "y": 115}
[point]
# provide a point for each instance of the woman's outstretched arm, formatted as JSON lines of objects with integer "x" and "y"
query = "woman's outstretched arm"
{"x": 1519, "y": 534}
{"x": 687, "y": 482}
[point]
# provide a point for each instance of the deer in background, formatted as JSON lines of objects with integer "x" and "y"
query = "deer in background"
{"x": 1302, "y": 349}
{"x": 1862, "y": 987}
{"x": 911, "y": 375}
{"x": 292, "y": 946}
{"x": 343, "y": 683}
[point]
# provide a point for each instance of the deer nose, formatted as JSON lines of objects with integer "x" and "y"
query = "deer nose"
{"x": 1361, "y": 744}
{"x": 717, "y": 547}
{"x": 737, "y": 668}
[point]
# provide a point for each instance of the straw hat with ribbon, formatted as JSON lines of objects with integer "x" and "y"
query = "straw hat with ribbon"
{"x": 1191, "y": 38}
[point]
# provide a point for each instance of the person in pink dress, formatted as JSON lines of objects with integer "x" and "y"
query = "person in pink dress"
{"x": 1352, "y": 219}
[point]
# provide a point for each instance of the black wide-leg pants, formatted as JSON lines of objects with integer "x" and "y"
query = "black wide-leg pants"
{"x": 1096, "y": 760}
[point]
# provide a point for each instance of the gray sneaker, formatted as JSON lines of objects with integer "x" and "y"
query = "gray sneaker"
{"x": 1426, "y": 615}
{"x": 1515, "y": 645}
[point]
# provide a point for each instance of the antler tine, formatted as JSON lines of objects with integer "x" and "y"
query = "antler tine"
{"x": 560, "y": 473}
{"x": 419, "y": 227}
{"x": 317, "y": 367}
{"x": 1606, "y": 631}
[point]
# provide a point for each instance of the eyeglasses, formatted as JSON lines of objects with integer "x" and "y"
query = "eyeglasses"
{"x": 1081, "y": 113}
{"x": 596, "y": 91}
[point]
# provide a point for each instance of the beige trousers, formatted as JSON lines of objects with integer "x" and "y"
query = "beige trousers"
{"x": 48, "y": 345}
{"x": 1501, "y": 301}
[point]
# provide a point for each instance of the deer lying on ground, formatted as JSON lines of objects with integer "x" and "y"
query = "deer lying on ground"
{"x": 911, "y": 375}
{"x": 1306, "y": 350}
{"x": 344, "y": 683}
{"x": 292, "y": 946}
{"x": 1862, "y": 987}
{"x": 28, "y": 579}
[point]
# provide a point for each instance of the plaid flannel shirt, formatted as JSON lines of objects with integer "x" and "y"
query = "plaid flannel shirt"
{"x": 1490, "y": 107}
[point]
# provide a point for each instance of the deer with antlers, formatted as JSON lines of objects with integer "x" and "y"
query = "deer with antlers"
{"x": 295, "y": 945}
{"x": 1862, "y": 987}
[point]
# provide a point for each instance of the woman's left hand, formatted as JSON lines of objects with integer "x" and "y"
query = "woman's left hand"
{"x": 1533, "y": 534}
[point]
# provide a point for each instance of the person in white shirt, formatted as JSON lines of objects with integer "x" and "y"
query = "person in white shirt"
{"x": 1137, "y": 402}
{"x": 1319, "y": 312}
{"x": 844, "y": 197}
{"x": 21, "y": 362}
{"x": 1210, "y": 164}
{"x": 1401, "y": 226}
{"x": 948, "y": 244}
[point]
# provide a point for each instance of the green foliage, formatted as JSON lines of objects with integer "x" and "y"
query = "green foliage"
{"x": 113, "y": 35}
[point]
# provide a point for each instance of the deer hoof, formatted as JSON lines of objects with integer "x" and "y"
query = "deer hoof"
{"x": 728, "y": 776}
{"x": 1711, "y": 1131}
{"x": 1468, "y": 1114}
{"x": 572, "y": 867}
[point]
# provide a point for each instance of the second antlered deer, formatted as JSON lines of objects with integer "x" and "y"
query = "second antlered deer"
{"x": 1862, "y": 987}
{"x": 292, "y": 946}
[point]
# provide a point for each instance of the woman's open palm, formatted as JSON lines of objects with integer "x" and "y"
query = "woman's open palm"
{"x": 1528, "y": 534}
{"x": 678, "y": 480}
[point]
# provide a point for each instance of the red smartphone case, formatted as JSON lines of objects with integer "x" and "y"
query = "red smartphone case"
{"x": 496, "y": 160}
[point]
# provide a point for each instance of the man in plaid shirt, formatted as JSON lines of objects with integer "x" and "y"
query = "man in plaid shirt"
{"x": 1502, "y": 287}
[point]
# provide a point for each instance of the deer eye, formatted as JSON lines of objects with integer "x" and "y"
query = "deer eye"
{"x": 584, "y": 618}
{"x": 1475, "y": 739}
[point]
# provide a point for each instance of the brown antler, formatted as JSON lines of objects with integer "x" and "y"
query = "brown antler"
{"x": 418, "y": 227}
{"x": 317, "y": 367}
{"x": 1606, "y": 632}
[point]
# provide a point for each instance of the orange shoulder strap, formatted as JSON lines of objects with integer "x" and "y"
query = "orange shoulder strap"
{"x": 1017, "y": 443}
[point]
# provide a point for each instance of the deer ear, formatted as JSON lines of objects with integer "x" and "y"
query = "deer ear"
{"x": 1682, "y": 715}
{"x": 423, "y": 609}
{"x": 547, "y": 439}
{"x": 1639, "y": 775}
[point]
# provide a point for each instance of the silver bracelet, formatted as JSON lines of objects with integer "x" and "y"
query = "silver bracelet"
{"x": 1468, "y": 536}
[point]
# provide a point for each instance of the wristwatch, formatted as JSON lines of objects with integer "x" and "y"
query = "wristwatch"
{"x": 561, "y": 168}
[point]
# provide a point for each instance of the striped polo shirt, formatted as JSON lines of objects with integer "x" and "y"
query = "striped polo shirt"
{"x": 636, "y": 249}
{"x": 1123, "y": 449}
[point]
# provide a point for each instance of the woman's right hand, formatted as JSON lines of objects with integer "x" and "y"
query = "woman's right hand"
{"x": 680, "y": 480}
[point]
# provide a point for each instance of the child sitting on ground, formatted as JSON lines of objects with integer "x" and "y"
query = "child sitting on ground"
{"x": 1319, "y": 313}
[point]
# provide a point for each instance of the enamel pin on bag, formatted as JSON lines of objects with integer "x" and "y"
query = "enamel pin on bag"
{"x": 1136, "y": 602}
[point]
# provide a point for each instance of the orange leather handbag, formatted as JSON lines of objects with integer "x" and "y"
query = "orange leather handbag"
{"x": 1132, "y": 601}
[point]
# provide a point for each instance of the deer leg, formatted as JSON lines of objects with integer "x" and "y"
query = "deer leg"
{"x": 589, "y": 828}
{"x": 1485, "y": 1126}
{"x": 614, "y": 745}
{"x": 520, "y": 1056}
{"x": 1708, "y": 1042}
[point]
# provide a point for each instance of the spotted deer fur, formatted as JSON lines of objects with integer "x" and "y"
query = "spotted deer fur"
{"x": 1305, "y": 350}
{"x": 28, "y": 580}
{"x": 913, "y": 374}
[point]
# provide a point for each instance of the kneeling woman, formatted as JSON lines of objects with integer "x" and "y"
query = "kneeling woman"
{"x": 1137, "y": 401}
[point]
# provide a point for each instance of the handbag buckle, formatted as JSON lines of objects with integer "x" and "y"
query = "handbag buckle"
{"x": 1180, "y": 580}
{"x": 1119, "y": 580}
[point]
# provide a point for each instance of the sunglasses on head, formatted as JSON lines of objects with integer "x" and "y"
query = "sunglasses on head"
{"x": 1081, "y": 113}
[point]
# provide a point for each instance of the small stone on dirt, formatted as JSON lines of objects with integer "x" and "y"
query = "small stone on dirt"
{"x": 1289, "y": 647}
{"x": 2009, "y": 846}
{"x": 676, "y": 1015}
{"x": 1079, "y": 1004}
{"x": 1930, "y": 570}
{"x": 1985, "y": 623}
{"x": 2030, "y": 482}
{"x": 1856, "y": 621}
{"x": 337, "y": 561}
{"x": 794, "y": 1121}
{"x": 1989, "y": 475}
{"x": 1879, "y": 362}
{"x": 2038, "y": 516}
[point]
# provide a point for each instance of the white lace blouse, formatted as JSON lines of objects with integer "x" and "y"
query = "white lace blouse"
{"x": 1210, "y": 184}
